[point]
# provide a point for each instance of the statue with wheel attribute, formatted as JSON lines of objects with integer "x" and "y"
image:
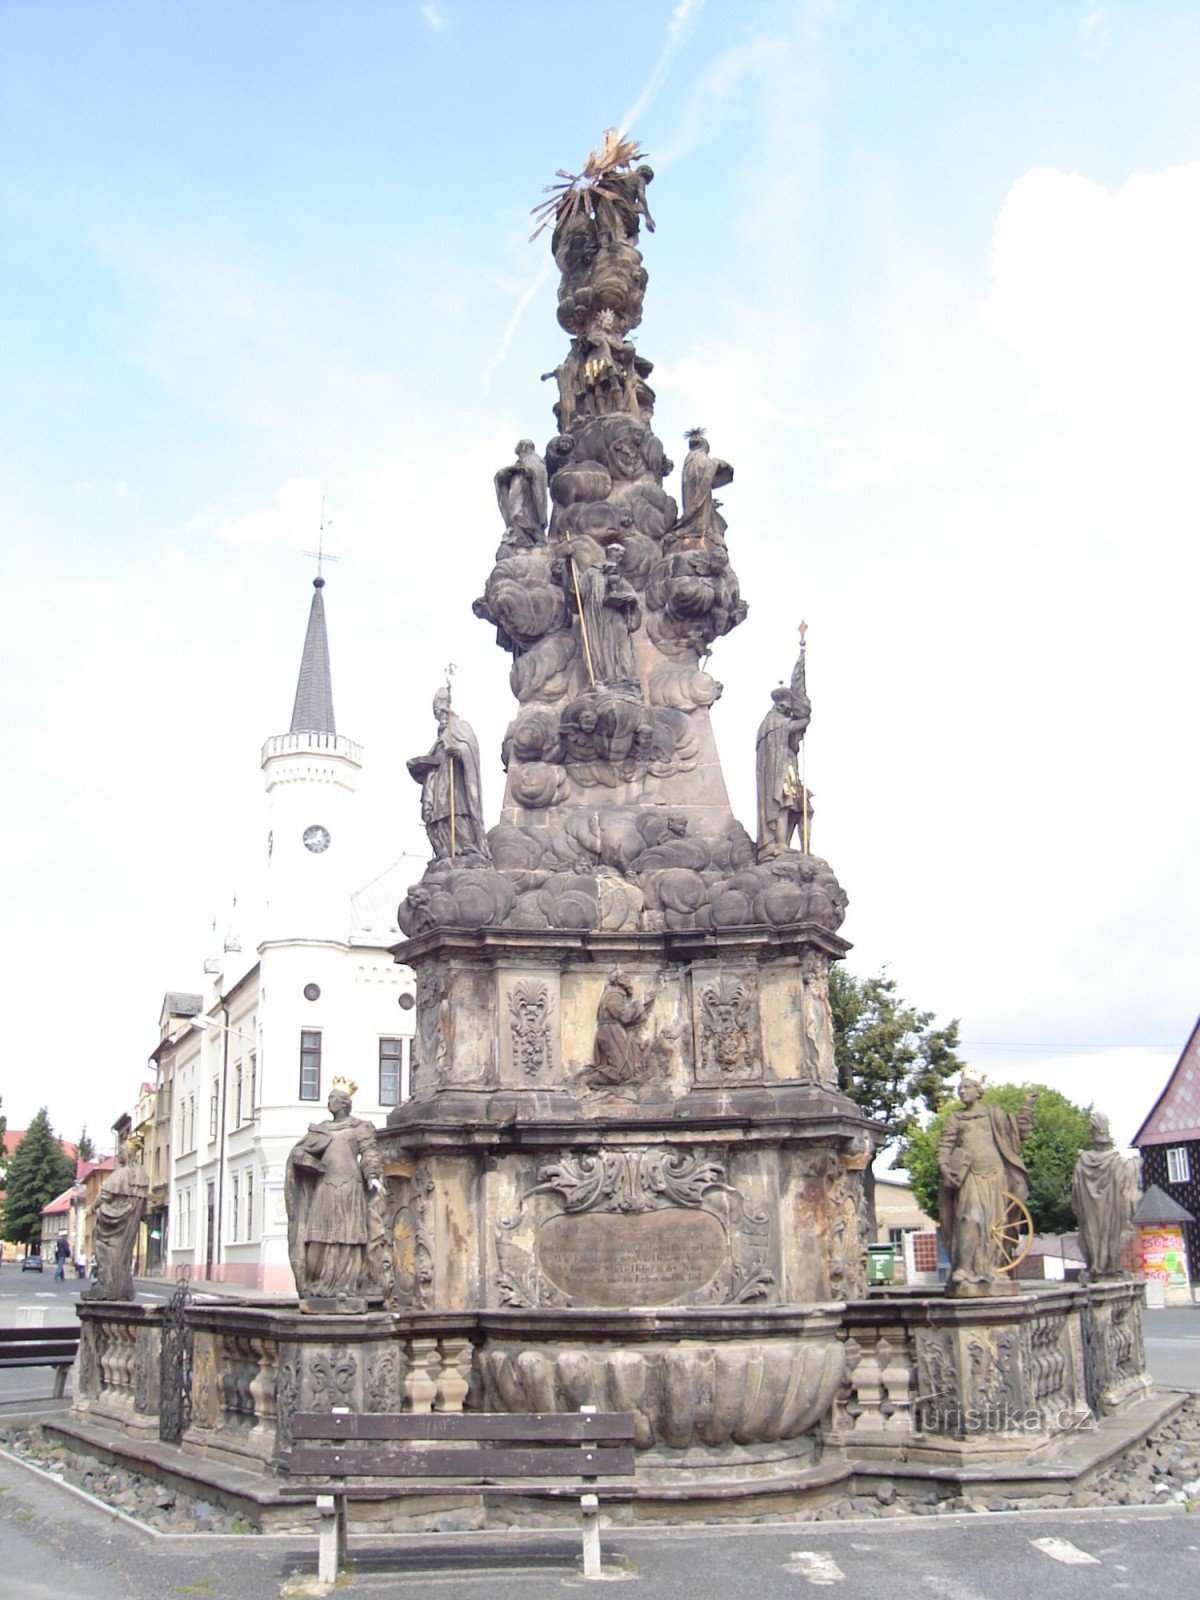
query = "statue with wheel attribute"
{"x": 984, "y": 1187}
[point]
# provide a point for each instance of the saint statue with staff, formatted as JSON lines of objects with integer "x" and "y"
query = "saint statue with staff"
{"x": 451, "y": 792}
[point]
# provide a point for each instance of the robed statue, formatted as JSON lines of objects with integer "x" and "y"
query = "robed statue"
{"x": 984, "y": 1184}
{"x": 1104, "y": 1197}
{"x": 333, "y": 1190}
{"x": 618, "y": 1055}
{"x": 611, "y": 613}
{"x": 118, "y": 1211}
{"x": 522, "y": 497}
{"x": 451, "y": 792}
{"x": 702, "y": 473}
{"x": 783, "y": 801}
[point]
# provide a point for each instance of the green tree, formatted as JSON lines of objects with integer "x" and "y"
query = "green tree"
{"x": 1060, "y": 1130}
{"x": 891, "y": 1058}
{"x": 84, "y": 1146}
{"x": 40, "y": 1170}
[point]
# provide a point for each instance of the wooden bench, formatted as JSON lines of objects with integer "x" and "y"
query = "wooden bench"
{"x": 41, "y": 1347}
{"x": 347, "y": 1455}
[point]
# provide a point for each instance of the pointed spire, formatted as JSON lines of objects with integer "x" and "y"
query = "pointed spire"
{"x": 313, "y": 708}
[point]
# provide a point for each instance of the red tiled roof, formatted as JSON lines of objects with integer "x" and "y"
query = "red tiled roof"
{"x": 85, "y": 1167}
{"x": 13, "y": 1137}
{"x": 1175, "y": 1116}
{"x": 61, "y": 1204}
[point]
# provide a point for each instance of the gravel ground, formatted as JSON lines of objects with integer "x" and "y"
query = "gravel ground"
{"x": 1165, "y": 1468}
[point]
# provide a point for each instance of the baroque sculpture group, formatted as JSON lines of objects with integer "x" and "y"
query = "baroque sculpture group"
{"x": 609, "y": 595}
{"x": 627, "y": 1175}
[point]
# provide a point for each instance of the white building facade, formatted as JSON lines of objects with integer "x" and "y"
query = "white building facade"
{"x": 324, "y": 999}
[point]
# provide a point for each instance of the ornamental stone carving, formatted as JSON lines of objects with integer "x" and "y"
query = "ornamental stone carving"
{"x": 529, "y": 1007}
{"x": 642, "y": 1226}
{"x": 729, "y": 1049}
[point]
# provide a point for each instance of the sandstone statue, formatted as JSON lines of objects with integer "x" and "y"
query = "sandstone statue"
{"x": 451, "y": 792}
{"x": 702, "y": 473}
{"x": 118, "y": 1210}
{"x": 521, "y": 495}
{"x": 1104, "y": 1195}
{"x": 334, "y": 1194}
{"x": 618, "y": 1056}
{"x": 780, "y": 798}
{"x": 611, "y": 612}
{"x": 982, "y": 1175}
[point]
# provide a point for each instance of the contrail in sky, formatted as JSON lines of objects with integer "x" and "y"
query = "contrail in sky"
{"x": 678, "y": 28}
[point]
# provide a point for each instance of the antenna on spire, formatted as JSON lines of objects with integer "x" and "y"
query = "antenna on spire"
{"x": 320, "y": 554}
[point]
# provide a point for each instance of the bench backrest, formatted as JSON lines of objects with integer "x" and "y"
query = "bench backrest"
{"x": 25, "y": 1335}
{"x": 462, "y": 1445}
{"x": 31, "y": 1346}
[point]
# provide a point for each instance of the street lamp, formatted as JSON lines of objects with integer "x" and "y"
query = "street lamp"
{"x": 204, "y": 1023}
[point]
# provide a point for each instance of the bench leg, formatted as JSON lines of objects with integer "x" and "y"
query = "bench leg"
{"x": 60, "y": 1382}
{"x": 589, "y": 1512}
{"x": 332, "y": 1548}
{"x": 342, "y": 1515}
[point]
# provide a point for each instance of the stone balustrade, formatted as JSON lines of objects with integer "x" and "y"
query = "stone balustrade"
{"x": 919, "y": 1376}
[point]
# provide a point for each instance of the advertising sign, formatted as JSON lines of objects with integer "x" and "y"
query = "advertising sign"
{"x": 1162, "y": 1255}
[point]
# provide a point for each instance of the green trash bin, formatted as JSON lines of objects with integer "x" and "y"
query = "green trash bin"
{"x": 881, "y": 1263}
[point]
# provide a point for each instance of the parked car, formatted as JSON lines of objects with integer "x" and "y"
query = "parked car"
{"x": 31, "y": 1264}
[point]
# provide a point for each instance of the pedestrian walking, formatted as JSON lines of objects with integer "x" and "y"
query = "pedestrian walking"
{"x": 62, "y": 1254}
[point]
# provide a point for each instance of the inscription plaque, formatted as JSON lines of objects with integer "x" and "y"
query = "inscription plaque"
{"x": 650, "y": 1258}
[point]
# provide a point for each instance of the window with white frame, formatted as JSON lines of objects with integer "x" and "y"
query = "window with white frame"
{"x": 234, "y": 1213}
{"x": 249, "y": 1186}
{"x": 238, "y": 1079}
{"x": 391, "y": 1071}
{"x": 1179, "y": 1168}
{"x": 310, "y": 1064}
{"x": 253, "y": 1085}
{"x": 214, "y": 1108}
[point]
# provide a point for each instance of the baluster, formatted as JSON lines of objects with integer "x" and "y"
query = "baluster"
{"x": 420, "y": 1386}
{"x": 455, "y": 1375}
{"x": 868, "y": 1378}
{"x": 897, "y": 1375}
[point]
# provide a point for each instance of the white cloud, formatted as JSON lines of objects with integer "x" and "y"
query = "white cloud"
{"x": 1096, "y": 291}
{"x": 293, "y": 518}
{"x": 900, "y": 448}
{"x": 434, "y": 13}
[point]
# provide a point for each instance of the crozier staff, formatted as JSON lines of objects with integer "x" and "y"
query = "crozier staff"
{"x": 451, "y": 791}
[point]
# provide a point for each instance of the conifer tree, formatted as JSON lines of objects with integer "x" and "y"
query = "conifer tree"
{"x": 39, "y": 1170}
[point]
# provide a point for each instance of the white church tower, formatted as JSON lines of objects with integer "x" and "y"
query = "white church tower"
{"x": 311, "y": 775}
{"x": 324, "y": 999}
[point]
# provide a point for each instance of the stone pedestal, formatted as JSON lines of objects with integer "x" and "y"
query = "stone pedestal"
{"x": 117, "y": 1368}
{"x": 973, "y": 1382}
{"x": 1114, "y": 1345}
{"x": 726, "y": 1175}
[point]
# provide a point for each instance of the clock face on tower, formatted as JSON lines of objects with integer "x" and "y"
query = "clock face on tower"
{"x": 316, "y": 838}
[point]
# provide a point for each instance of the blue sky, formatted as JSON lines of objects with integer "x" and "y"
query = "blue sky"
{"x": 926, "y": 271}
